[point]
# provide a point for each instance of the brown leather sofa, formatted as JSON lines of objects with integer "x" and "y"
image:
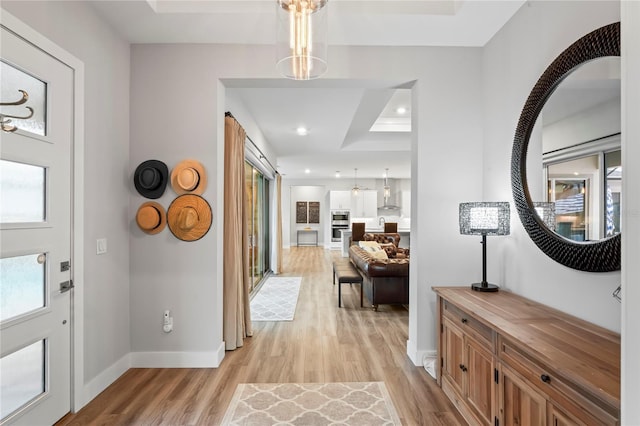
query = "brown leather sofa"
{"x": 389, "y": 241}
{"x": 385, "y": 281}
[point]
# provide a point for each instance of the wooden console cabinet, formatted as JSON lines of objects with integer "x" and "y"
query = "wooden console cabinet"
{"x": 506, "y": 360}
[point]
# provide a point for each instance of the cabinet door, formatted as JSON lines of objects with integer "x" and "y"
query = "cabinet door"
{"x": 520, "y": 404}
{"x": 369, "y": 203}
{"x": 453, "y": 361}
{"x": 479, "y": 379}
{"x": 356, "y": 205}
{"x": 340, "y": 200}
{"x": 558, "y": 418}
{"x": 405, "y": 198}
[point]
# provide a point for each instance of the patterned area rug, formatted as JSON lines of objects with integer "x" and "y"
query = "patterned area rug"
{"x": 276, "y": 300}
{"x": 366, "y": 403}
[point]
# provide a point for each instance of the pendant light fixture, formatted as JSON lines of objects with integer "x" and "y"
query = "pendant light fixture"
{"x": 386, "y": 188}
{"x": 301, "y": 42}
{"x": 356, "y": 189}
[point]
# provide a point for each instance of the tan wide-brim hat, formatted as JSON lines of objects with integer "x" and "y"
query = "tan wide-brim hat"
{"x": 189, "y": 217}
{"x": 151, "y": 217}
{"x": 189, "y": 177}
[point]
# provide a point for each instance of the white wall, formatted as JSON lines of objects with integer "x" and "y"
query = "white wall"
{"x": 306, "y": 193}
{"x": 631, "y": 213}
{"x": 513, "y": 61}
{"x": 76, "y": 28}
{"x": 587, "y": 125}
{"x": 168, "y": 273}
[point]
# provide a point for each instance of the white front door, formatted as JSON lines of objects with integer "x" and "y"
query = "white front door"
{"x": 35, "y": 234}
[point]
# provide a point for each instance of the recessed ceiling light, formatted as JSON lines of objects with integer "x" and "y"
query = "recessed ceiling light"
{"x": 302, "y": 131}
{"x": 337, "y": 173}
{"x": 576, "y": 173}
{"x": 401, "y": 110}
{"x": 307, "y": 171}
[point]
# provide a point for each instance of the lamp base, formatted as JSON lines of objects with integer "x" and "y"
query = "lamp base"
{"x": 484, "y": 287}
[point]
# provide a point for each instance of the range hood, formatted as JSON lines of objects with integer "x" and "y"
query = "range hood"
{"x": 387, "y": 191}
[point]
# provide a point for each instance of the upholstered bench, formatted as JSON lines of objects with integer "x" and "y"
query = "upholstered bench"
{"x": 346, "y": 273}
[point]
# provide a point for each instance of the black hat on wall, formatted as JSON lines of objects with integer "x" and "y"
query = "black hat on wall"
{"x": 150, "y": 178}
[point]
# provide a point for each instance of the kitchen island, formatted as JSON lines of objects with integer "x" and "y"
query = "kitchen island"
{"x": 346, "y": 236}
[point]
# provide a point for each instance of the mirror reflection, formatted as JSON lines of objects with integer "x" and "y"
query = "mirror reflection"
{"x": 574, "y": 160}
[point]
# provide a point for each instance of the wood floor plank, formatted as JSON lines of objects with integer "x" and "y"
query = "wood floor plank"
{"x": 323, "y": 343}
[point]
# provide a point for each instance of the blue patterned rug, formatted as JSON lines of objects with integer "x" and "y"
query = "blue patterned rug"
{"x": 276, "y": 300}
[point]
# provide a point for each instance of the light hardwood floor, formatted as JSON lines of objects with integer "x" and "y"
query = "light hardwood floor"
{"x": 323, "y": 344}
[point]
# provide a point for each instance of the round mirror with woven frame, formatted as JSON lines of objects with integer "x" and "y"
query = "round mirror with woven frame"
{"x": 591, "y": 256}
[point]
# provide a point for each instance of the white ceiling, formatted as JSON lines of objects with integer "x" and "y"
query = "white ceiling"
{"x": 337, "y": 114}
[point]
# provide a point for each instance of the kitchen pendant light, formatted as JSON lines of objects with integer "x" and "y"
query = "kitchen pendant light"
{"x": 386, "y": 188}
{"x": 301, "y": 40}
{"x": 356, "y": 189}
{"x": 386, "y": 194}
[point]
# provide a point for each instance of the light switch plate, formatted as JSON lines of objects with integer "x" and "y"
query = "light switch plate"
{"x": 101, "y": 246}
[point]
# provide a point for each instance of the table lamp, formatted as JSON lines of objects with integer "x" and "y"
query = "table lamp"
{"x": 484, "y": 218}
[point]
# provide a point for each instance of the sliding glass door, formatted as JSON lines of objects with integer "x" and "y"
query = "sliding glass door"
{"x": 257, "y": 193}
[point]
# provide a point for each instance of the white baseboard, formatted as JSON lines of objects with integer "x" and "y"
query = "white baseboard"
{"x": 177, "y": 359}
{"x": 104, "y": 379}
{"x": 220, "y": 354}
{"x": 149, "y": 360}
{"x": 417, "y": 355}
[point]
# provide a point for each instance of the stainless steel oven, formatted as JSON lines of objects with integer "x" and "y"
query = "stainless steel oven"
{"x": 336, "y": 235}
{"x": 340, "y": 217}
{"x": 339, "y": 220}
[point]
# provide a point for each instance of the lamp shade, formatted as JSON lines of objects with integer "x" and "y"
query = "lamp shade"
{"x": 485, "y": 218}
{"x": 301, "y": 39}
{"x": 547, "y": 212}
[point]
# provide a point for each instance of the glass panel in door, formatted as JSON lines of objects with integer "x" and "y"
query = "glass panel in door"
{"x": 29, "y": 97}
{"x": 248, "y": 182}
{"x": 258, "y": 226}
{"x": 257, "y": 193}
{"x": 613, "y": 189}
{"x": 571, "y": 211}
{"x": 22, "y": 376}
{"x": 22, "y": 285}
{"x": 22, "y": 192}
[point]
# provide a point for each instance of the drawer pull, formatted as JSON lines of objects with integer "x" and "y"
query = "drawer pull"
{"x": 464, "y": 320}
{"x": 462, "y": 367}
{"x": 545, "y": 378}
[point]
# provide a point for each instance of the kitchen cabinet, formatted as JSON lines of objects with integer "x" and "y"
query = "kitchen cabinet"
{"x": 365, "y": 204}
{"x": 340, "y": 200}
{"x": 405, "y": 203}
{"x": 507, "y": 360}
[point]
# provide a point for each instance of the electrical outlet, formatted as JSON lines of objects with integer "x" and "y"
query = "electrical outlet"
{"x": 167, "y": 324}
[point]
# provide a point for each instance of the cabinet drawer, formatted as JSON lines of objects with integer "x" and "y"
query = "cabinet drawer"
{"x": 570, "y": 397}
{"x": 468, "y": 324}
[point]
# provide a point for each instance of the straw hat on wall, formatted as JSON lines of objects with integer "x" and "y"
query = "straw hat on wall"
{"x": 189, "y": 177}
{"x": 151, "y": 217}
{"x": 189, "y": 217}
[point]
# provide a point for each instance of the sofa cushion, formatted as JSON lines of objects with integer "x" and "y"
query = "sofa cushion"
{"x": 374, "y": 249}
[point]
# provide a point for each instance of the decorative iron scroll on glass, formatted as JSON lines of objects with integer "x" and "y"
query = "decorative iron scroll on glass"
{"x": 616, "y": 294}
{"x": 5, "y": 119}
